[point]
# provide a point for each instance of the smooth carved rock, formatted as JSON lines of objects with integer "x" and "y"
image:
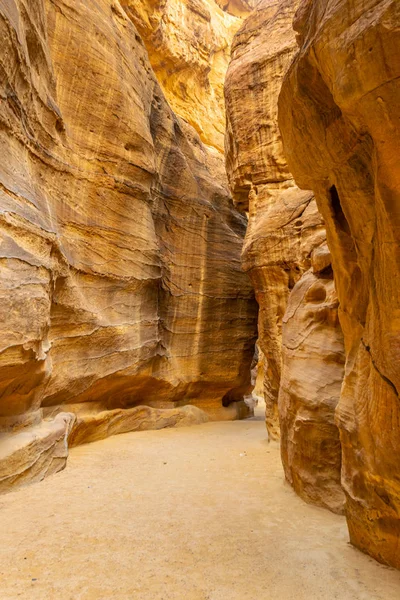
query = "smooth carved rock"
{"x": 121, "y": 281}
{"x": 93, "y": 427}
{"x": 285, "y": 237}
{"x": 35, "y": 452}
{"x": 312, "y": 374}
{"x": 343, "y": 89}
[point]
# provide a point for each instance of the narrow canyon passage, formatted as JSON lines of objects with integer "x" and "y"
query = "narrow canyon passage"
{"x": 197, "y": 513}
{"x": 199, "y": 206}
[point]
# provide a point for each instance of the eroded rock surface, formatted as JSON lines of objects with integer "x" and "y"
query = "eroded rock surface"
{"x": 312, "y": 374}
{"x": 339, "y": 115}
{"x": 285, "y": 231}
{"x": 189, "y": 48}
{"x": 90, "y": 428}
{"x": 120, "y": 248}
{"x": 34, "y": 452}
{"x": 237, "y": 7}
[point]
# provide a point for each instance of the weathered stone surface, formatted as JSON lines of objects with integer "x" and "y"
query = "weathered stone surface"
{"x": 120, "y": 248}
{"x": 285, "y": 237}
{"x": 37, "y": 451}
{"x": 92, "y": 427}
{"x": 189, "y": 49}
{"x": 339, "y": 115}
{"x": 284, "y": 224}
{"x": 261, "y": 54}
{"x": 312, "y": 374}
{"x": 34, "y": 452}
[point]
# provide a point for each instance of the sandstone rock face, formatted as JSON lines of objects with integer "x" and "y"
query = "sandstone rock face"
{"x": 284, "y": 224}
{"x": 285, "y": 231}
{"x": 312, "y": 373}
{"x": 120, "y": 248}
{"x": 34, "y": 452}
{"x": 237, "y": 7}
{"x": 339, "y": 115}
{"x": 189, "y": 48}
{"x": 90, "y": 428}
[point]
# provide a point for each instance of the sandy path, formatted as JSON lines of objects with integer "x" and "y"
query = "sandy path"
{"x": 179, "y": 514}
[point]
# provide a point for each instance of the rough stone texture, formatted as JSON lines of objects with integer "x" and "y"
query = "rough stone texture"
{"x": 339, "y": 115}
{"x": 90, "y": 428}
{"x": 189, "y": 48}
{"x": 285, "y": 235}
{"x": 34, "y": 452}
{"x": 120, "y": 248}
{"x": 237, "y": 7}
{"x": 284, "y": 224}
{"x": 312, "y": 374}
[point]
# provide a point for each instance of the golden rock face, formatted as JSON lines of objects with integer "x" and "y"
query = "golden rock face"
{"x": 283, "y": 253}
{"x": 237, "y": 7}
{"x": 312, "y": 374}
{"x": 343, "y": 88}
{"x": 259, "y": 178}
{"x": 121, "y": 281}
{"x": 189, "y": 48}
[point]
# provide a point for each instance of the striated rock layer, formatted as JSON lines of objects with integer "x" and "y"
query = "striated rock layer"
{"x": 120, "y": 277}
{"x": 339, "y": 115}
{"x": 286, "y": 257}
{"x": 284, "y": 224}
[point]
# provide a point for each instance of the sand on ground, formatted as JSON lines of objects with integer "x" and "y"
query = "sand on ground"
{"x": 198, "y": 513}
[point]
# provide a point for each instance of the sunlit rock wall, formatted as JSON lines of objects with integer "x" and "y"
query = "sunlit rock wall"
{"x": 189, "y": 45}
{"x": 339, "y": 115}
{"x": 120, "y": 279}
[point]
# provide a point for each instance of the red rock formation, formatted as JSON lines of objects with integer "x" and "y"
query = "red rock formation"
{"x": 121, "y": 282}
{"x": 339, "y": 116}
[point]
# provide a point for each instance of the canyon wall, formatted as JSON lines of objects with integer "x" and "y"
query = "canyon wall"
{"x": 121, "y": 282}
{"x": 339, "y": 116}
{"x": 284, "y": 223}
{"x": 286, "y": 257}
{"x": 189, "y": 48}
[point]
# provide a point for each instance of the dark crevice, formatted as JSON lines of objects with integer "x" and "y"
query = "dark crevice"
{"x": 386, "y": 379}
{"x": 326, "y": 273}
{"x": 337, "y": 210}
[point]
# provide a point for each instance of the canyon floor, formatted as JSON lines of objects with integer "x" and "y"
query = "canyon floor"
{"x": 198, "y": 513}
